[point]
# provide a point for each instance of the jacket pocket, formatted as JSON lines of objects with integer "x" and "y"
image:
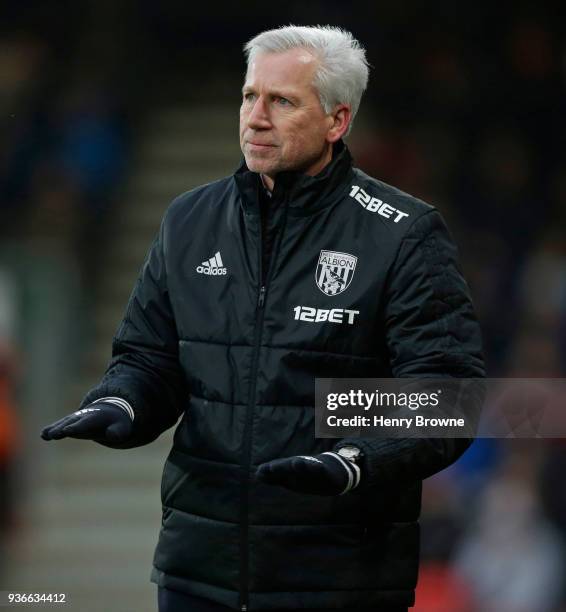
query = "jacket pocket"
{"x": 172, "y": 479}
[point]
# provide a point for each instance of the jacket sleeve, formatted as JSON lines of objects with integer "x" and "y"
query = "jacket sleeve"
{"x": 431, "y": 331}
{"x": 144, "y": 369}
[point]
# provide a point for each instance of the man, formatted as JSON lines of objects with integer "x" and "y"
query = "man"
{"x": 297, "y": 266}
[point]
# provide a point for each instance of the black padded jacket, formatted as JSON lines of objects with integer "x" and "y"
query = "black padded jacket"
{"x": 362, "y": 280}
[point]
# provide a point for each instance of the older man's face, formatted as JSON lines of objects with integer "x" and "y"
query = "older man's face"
{"x": 282, "y": 123}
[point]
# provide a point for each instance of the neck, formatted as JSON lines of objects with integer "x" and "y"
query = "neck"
{"x": 269, "y": 181}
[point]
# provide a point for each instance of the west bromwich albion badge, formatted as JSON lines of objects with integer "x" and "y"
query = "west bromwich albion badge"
{"x": 334, "y": 271}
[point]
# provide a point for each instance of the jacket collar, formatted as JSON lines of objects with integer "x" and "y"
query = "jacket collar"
{"x": 305, "y": 194}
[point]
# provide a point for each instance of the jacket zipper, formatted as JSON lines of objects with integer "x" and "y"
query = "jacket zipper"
{"x": 244, "y": 562}
{"x": 261, "y": 298}
{"x": 247, "y": 450}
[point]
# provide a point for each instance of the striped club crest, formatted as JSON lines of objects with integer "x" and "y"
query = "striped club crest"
{"x": 334, "y": 271}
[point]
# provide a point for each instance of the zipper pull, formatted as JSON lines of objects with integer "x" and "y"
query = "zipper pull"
{"x": 261, "y": 298}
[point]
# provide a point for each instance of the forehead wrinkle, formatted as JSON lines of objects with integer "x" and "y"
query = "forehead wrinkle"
{"x": 272, "y": 88}
{"x": 304, "y": 56}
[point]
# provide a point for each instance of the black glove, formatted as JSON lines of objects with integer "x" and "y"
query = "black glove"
{"x": 101, "y": 422}
{"x": 324, "y": 474}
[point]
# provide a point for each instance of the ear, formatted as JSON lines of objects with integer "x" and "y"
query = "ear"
{"x": 340, "y": 117}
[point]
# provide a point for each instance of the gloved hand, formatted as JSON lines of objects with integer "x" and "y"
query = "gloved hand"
{"x": 324, "y": 474}
{"x": 101, "y": 422}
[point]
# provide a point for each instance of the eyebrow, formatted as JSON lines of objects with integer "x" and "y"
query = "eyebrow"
{"x": 275, "y": 92}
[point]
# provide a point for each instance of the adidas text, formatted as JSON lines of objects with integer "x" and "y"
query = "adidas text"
{"x": 211, "y": 271}
{"x": 212, "y": 266}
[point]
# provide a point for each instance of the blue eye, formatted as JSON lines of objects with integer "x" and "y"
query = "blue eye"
{"x": 283, "y": 101}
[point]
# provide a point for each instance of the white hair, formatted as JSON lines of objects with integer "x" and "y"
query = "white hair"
{"x": 342, "y": 74}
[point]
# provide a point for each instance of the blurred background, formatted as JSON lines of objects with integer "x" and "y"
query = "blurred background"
{"x": 110, "y": 109}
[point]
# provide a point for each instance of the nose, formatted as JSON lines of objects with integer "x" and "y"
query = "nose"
{"x": 258, "y": 117}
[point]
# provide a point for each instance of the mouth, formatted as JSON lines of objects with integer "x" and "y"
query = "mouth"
{"x": 259, "y": 140}
{"x": 260, "y": 144}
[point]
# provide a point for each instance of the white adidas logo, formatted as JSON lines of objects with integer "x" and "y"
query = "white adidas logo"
{"x": 212, "y": 266}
